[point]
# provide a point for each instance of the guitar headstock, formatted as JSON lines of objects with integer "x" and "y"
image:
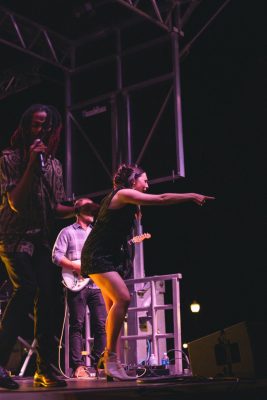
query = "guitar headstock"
{"x": 140, "y": 238}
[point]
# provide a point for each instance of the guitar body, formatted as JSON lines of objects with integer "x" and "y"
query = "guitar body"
{"x": 75, "y": 282}
{"x": 72, "y": 280}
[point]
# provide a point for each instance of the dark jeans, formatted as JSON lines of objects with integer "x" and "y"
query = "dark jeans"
{"x": 35, "y": 284}
{"x": 77, "y": 302}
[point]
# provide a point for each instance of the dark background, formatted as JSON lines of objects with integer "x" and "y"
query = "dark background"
{"x": 220, "y": 249}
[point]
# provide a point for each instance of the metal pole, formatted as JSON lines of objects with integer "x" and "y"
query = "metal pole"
{"x": 68, "y": 138}
{"x": 129, "y": 129}
{"x": 178, "y": 366}
{"x": 155, "y": 349}
{"x": 87, "y": 337}
{"x": 116, "y": 107}
{"x": 31, "y": 350}
{"x": 177, "y": 99}
{"x": 67, "y": 337}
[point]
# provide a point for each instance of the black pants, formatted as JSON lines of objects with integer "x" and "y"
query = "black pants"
{"x": 34, "y": 279}
{"x": 77, "y": 302}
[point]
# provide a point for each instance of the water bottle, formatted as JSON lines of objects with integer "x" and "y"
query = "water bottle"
{"x": 165, "y": 361}
{"x": 152, "y": 360}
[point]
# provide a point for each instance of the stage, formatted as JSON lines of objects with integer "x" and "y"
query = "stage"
{"x": 168, "y": 388}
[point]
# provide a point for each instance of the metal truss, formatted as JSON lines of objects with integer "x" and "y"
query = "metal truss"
{"x": 43, "y": 43}
{"x": 39, "y": 41}
{"x": 15, "y": 80}
{"x": 157, "y": 11}
{"x": 35, "y": 40}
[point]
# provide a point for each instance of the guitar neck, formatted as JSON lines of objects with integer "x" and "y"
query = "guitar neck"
{"x": 139, "y": 238}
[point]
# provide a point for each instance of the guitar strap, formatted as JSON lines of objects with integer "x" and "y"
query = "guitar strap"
{"x": 76, "y": 246}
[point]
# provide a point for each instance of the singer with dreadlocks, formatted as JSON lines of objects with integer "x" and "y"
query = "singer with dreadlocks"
{"x": 30, "y": 199}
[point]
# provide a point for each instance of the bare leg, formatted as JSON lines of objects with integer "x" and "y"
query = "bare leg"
{"x": 117, "y": 299}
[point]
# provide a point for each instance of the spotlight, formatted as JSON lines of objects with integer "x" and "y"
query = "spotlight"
{"x": 195, "y": 307}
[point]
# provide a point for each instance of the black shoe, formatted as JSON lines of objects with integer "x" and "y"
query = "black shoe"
{"x": 95, "y": 360}
{"x": 100, "y": 362}
{"x": 48, "y": 379}
{"x": 6, "y": 381}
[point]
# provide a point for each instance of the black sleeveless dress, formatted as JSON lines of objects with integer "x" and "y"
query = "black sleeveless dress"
{"x": 102, "y": 249}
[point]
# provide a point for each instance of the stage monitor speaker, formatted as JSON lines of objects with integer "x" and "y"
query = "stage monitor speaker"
{"x": 237, "y": 351}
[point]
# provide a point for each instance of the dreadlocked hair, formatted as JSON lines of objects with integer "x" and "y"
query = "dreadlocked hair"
{"x": 22, "y": 137}
{"x": 125, "y": 175}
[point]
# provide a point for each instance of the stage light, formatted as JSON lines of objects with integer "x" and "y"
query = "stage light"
{"x": 195, "y": 307}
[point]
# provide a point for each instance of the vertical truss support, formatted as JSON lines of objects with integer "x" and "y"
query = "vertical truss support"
{"x": 128, "y": 128}
{"x": 68, "y": 137}
{"x": 116, "y": 106}
{"x": 178, "y": 100}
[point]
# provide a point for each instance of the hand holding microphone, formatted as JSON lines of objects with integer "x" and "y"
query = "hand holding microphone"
{"x": 39, "y": 147}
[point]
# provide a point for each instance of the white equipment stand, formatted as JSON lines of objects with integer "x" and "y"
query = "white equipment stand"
{"x": 149, "y": 317}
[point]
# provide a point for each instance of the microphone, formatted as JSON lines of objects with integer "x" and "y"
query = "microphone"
{"x": 41, "y": 156}
{"x": 42, "y": 161}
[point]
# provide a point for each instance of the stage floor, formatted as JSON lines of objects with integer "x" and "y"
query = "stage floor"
{"x": 167, "y": 388}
